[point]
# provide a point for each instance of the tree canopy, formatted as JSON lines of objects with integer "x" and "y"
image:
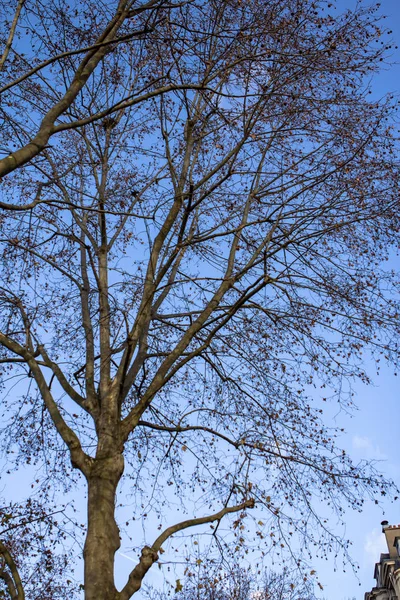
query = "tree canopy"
{"x": 198, "y": 202}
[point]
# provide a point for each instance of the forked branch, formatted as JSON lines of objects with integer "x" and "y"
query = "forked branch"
{"x": 78, "y": 457}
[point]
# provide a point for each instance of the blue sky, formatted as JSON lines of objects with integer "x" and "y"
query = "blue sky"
{"x": 372, "y": 431}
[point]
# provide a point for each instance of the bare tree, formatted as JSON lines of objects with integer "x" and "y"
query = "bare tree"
{"x": 196, "y": 255}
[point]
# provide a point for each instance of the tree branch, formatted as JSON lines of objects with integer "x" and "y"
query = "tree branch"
{"x": 88, "y": 64}
{"x": 128, "y": 102}
{"x": 11, "y": 34}
{"x": 78, "y": 457}
{"x": 14, "y": 584}
{"x": 150, "y": 553}
{"x": 54, "y": 59}
{"x": 67, "y": 387}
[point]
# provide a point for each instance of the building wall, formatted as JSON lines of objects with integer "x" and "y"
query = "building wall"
{"x": 387, "y": 570}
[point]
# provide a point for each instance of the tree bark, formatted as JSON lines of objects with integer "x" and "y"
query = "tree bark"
{"x": 102, "y": 540}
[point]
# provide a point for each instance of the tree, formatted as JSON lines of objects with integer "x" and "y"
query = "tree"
{"x": 238, "y": 584}
{"x": 33, "y": 558}
{"x": 199, "y": 230}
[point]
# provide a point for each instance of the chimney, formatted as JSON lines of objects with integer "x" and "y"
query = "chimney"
{"x": 384, "y": 525}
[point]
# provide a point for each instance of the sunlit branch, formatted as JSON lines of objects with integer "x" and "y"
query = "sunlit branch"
{"x": 11, "y": 35}
{"x": 87, "y": 66}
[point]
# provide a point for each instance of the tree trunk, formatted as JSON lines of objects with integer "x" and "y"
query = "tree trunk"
{"x": 102, "y": 540}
